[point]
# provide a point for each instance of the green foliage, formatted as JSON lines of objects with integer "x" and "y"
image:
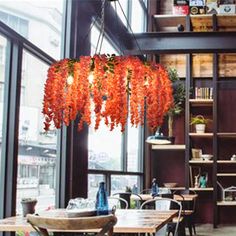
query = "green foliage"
{"x": 199, "y": 119}
{"x": 178, "y": 92}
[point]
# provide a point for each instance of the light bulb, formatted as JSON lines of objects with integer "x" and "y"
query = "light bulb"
{"x": 70, "y": 80}
{"x": 91, "y": 77}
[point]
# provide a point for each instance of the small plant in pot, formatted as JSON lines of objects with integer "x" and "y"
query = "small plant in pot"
{"x": 28, "y": 205}
{"x": 200, "y": 123}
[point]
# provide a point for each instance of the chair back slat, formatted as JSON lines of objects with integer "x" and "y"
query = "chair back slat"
{"x": 105, "y": 223}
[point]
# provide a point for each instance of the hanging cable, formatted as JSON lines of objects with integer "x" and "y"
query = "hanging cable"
{"x": 130, "y": 29}
{"x": 120, "y": 51}
{"x": 101, "y": 33}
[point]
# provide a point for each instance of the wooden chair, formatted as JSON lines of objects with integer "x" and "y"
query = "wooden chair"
{"x": 164, "y": 204}
{"x": 43, "y": 224}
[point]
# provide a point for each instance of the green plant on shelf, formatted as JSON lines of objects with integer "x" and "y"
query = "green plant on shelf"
{"x": 200, "y": 123}
{"x": 199, "y": 119}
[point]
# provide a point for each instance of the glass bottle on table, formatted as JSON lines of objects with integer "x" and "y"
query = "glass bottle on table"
{"x": 101, "y": 200}
{"x": 154, "y": 188}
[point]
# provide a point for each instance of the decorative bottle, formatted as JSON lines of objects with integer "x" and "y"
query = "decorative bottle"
{"x": 154, "y": 187}
{"x": 101, "y": 200}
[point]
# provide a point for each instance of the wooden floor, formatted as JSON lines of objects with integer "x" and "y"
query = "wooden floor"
{"x": 208, "y": 230}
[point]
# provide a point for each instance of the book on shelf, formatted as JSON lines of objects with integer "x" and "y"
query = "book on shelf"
{"x": 203, "y": 93}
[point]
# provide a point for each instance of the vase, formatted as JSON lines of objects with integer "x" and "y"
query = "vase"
{"x": 200, "y": 128}
{"x": 28, "y": 207}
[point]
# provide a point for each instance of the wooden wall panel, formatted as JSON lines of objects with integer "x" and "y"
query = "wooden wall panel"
{"x": 226, "y": 23}
{"x": 227, "y": 65}
{"x": 201, "y": 23}
{"x": 175, "y": 61}
{"x": 202, "y": 65}
{"x": 166, "y": 7}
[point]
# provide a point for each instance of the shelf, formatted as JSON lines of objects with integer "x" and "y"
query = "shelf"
{"x": 226, "y": 135}
{"x": 226, "y": 174}
{"x": 201, "y": 162}
{"x": 169, "y": 147}
{"x": 226, "y": 162}
{"x": 177, "y": 188}
{"x": 203, "y": 135}
{"x": 202, "y": 189}
{"x": 163, "y": 21}
{"x": 226, "y": 203}
{"x": 201, "y": 102}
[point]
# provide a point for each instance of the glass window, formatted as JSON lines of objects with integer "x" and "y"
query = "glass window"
{"x": 104, "y": 148}
{"x": 2, "y": 54}
{"x": 3, "y": 45}
{"x": 133, "y": 148}
{"x": 37, "y": 150}
{"x": 122, "y": 10}
{"x": 93, "y": 184}
{"x": 32, "y": 19}
{"x": 107, "y": 47}
{"x": 119, "y": 183}
{"x": 137, "y": 17}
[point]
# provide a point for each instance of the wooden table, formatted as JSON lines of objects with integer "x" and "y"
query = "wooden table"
{"x": 129, "y": 221}
{"x": 186, "y": 197}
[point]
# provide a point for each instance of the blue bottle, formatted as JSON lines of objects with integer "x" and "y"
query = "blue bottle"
{"x": 101, "y": 200}
{"x": 154, "y": 187}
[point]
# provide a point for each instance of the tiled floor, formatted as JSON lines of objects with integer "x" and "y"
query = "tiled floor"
{"x": 222, "y": 230}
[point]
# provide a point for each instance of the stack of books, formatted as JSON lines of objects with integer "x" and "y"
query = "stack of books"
{"x": 203, "y": 93}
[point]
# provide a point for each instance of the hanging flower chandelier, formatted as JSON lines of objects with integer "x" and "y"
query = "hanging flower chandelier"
{"x": 115, "y": 85}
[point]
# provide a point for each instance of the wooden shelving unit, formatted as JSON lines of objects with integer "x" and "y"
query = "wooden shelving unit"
{"x": 206, "y": 70}
{"x": 169, "y": 147}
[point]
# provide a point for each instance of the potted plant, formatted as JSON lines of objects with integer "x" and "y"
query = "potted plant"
{"x": 179, "y": 98}
{"x": 200, "y": 123}
{"x": 28, "y": 205}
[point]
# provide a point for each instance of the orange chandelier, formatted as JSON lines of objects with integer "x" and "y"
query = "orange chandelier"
{"x": 115, "y": 86}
